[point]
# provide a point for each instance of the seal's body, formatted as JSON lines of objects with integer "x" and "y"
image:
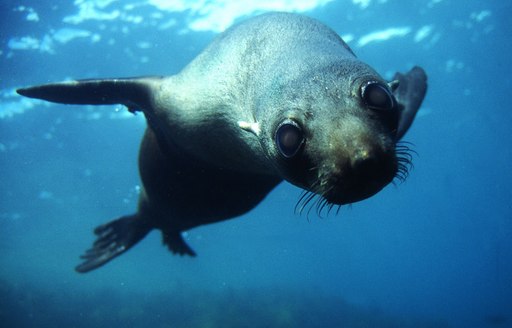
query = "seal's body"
{"x": 280, "y": 96}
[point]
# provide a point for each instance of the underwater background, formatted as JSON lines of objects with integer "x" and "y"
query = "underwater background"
{"x": 435, "y": 251}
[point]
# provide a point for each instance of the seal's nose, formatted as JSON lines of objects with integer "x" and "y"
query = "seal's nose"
{"x": 366, "y": 167}
{"x": 367, "y": 164}
{"x": 372, "y": 168}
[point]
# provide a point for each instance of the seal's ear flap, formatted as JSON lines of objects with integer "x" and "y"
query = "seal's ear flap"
{"x": 409, "y": 91}
{"x": 134, "y": 93}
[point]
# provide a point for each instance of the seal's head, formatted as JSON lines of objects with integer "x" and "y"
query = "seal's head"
{"x": 333, "y": 133}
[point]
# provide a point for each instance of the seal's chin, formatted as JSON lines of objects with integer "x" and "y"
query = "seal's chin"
{"x": 354, "y": 181}
{"x": 358, "y": 180}
{"x": 331, "y": 195}
{"x": 352, "y": 192}
{"x": 348, "y": 187}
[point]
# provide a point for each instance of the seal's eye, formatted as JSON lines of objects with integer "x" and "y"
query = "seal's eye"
{"x": 289, "y": 138}
{"x": 377, "y": 96}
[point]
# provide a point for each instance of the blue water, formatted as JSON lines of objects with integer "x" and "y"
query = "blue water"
{"x": 435, "y": 251}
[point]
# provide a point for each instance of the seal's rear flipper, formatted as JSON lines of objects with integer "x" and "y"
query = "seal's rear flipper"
{"x": 176, "y": 244}
{"x": 409, "y": 94}
{"x": 114, "y": 238}
{"x": 134, "y": 93}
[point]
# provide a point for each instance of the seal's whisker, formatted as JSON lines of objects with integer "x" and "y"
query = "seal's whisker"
{"x": 406, "y": 145}
{"x": 329, "y": 208}
{"x": 306, "y": 197}
{"x": 306, "y": 201}
{"x": 338, "y": 209}
{"x": 326, "y": 205}
{"x": 314, "y": 198}
{"x": 321, "y": 203}
{"x": 303, "y": 195}
{"x": 315, "y": 205}
{"x": 402, "y": 172}
{"x": 300, "y": 203}
{"x": 309, "y": 196}
{"x": 404, "y": 156}
{"x": 309, "y": 204}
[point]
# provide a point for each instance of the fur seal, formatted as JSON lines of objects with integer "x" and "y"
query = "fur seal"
{"x": 277, "y": 97}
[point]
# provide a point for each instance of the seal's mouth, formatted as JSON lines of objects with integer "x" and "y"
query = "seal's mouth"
{"x": 356, "y": 182}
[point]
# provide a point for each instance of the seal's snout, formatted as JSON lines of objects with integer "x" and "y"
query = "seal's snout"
{"x": 366, "y": 166}
{"x": 373, "y": 164}
{"x": 359, "y": 174}
{"x": 375, "y": 169}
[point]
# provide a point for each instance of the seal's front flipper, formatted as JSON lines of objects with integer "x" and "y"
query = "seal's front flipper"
{"x": 176, "y": 244}
{"x": 114, "y": 238}
{"x": 409, "y": 94}
{"x": 131, "y": 92}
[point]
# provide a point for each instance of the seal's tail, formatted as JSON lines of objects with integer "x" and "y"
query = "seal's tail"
{"x": 114, "y": 238}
